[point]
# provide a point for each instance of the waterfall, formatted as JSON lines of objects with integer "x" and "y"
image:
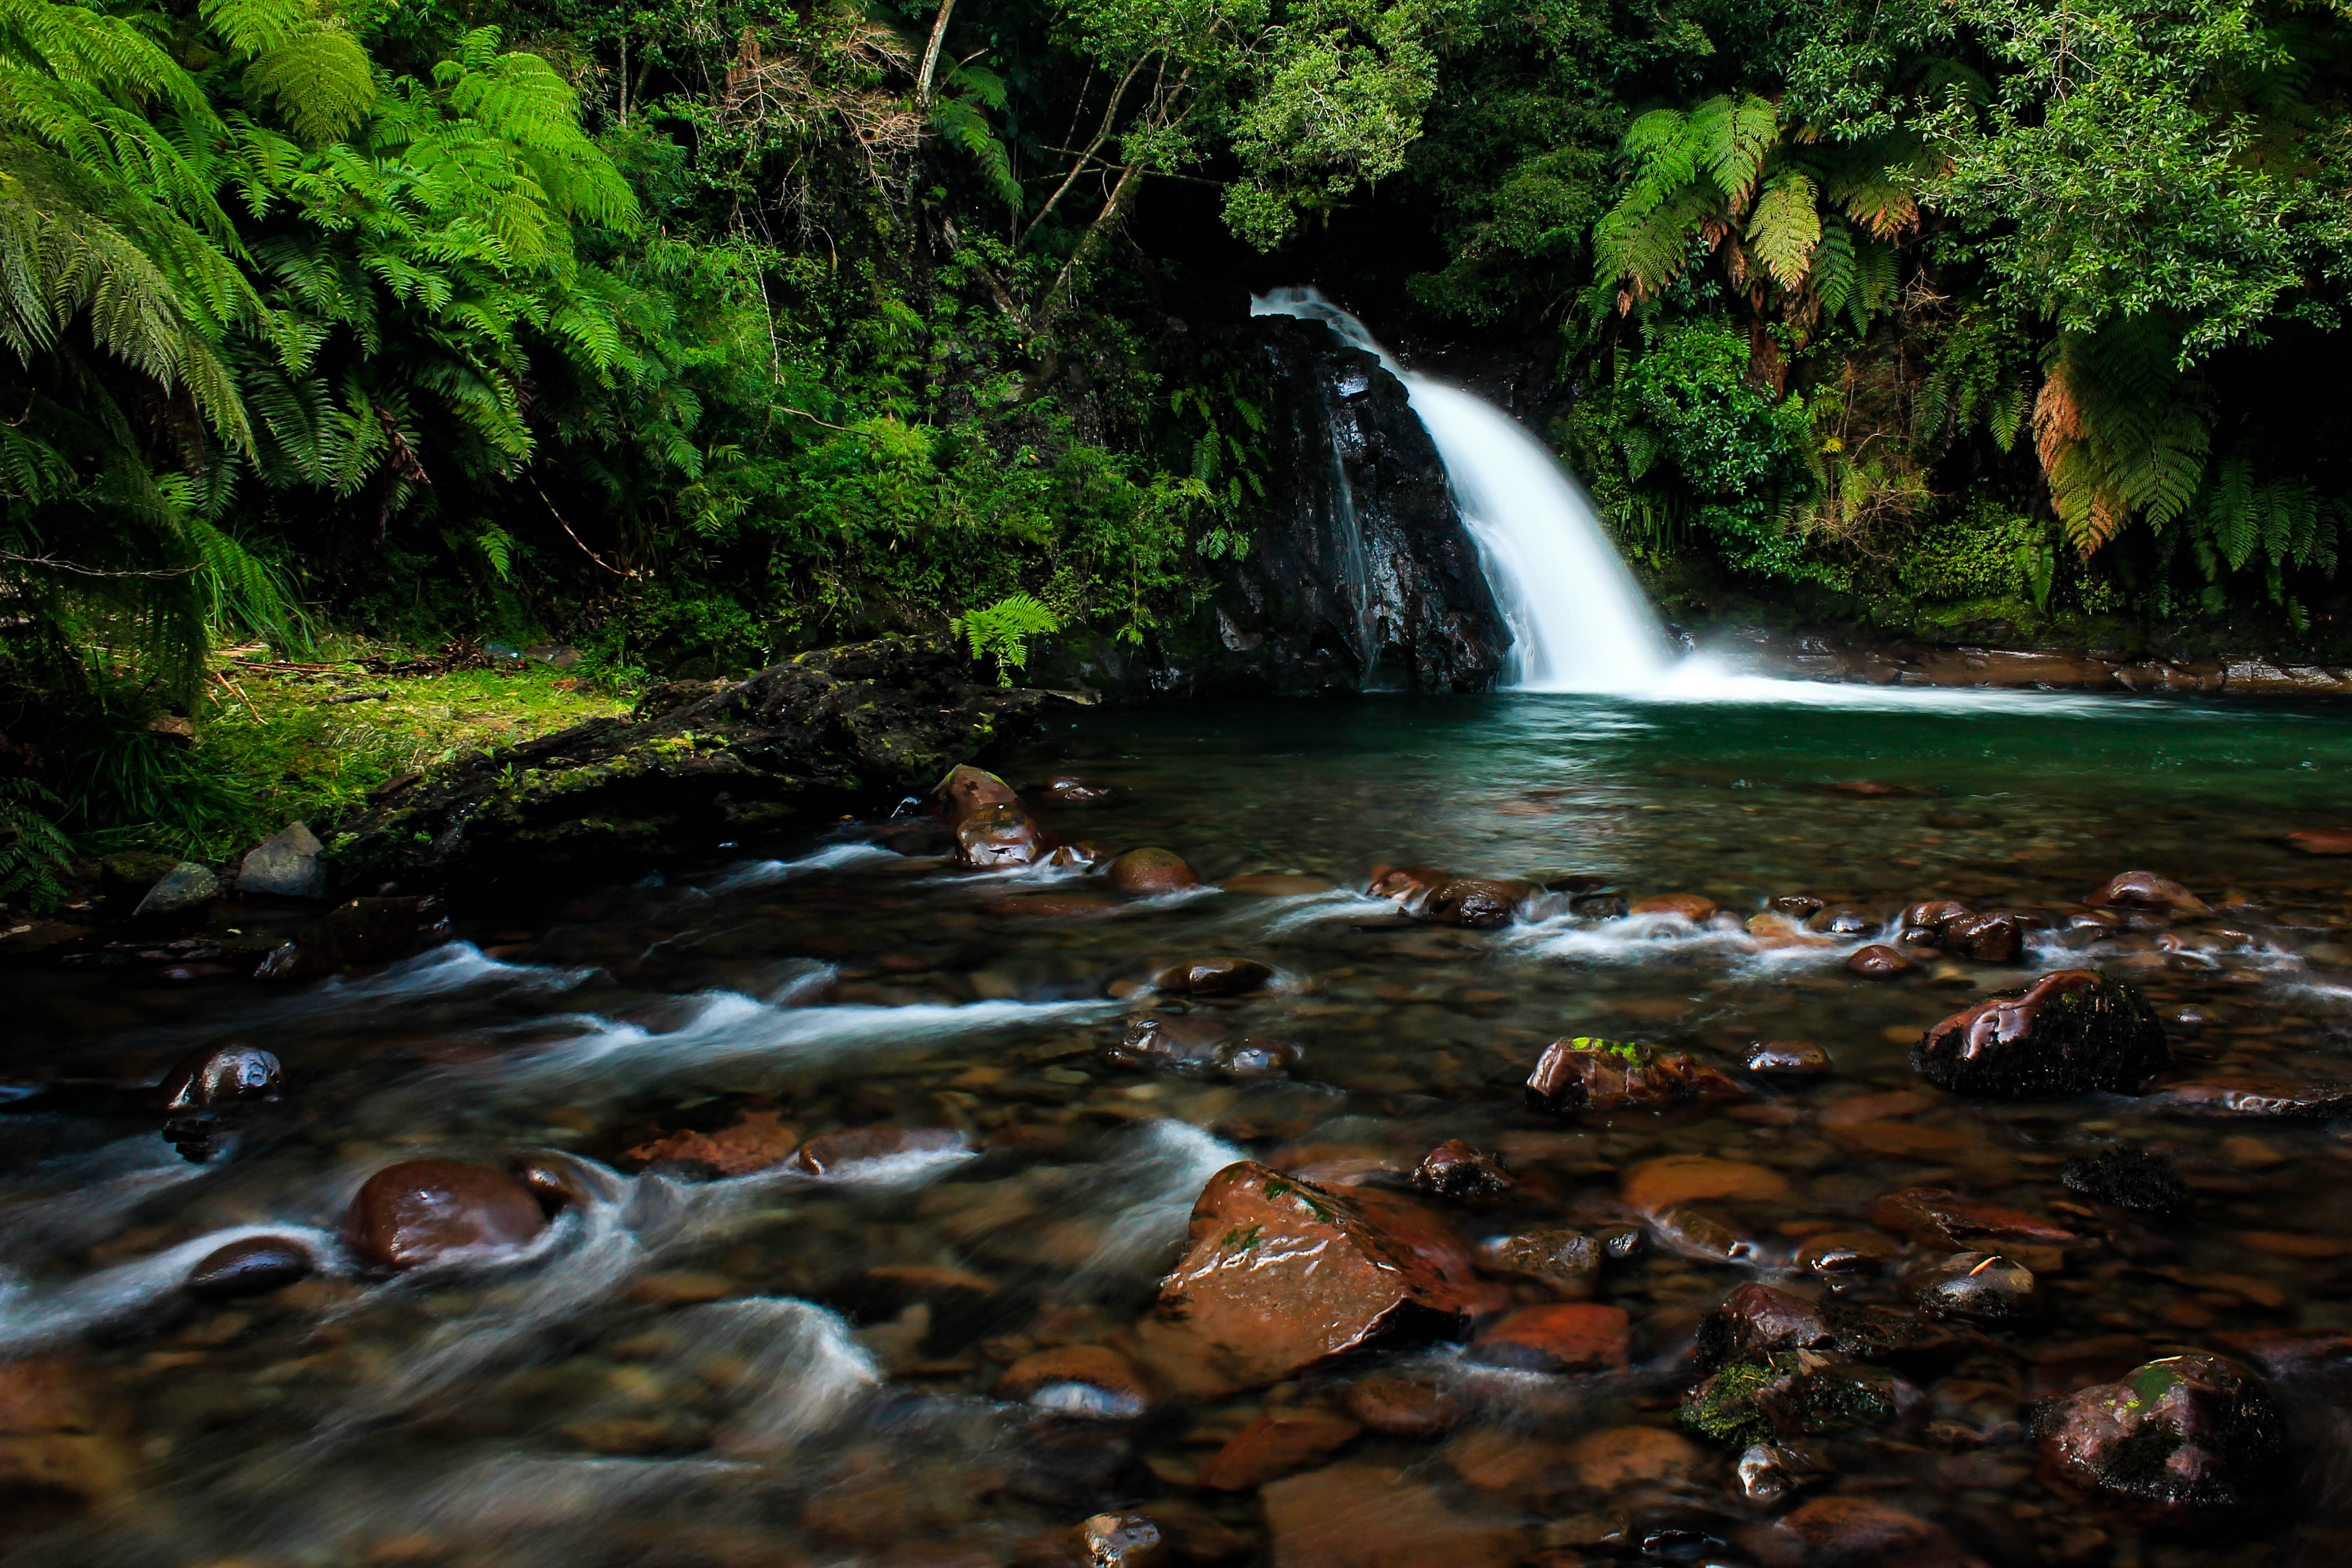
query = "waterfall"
{"x": 1578, "y": 619}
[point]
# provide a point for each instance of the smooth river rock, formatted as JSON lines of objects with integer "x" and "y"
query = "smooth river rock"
{"x": 1149, "y": 873}
{"x": 253, "y": 1266}
{"x": 425, "y": 1212}
{"x": 1588, "y": 1074}
{"x": 1280, "y": 1273}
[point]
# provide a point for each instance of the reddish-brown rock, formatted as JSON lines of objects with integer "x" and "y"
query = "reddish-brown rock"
{"x": 2146, "y": 890}
{"x": 1690, "y": 906}
{"x": 1755, "y": 1320}
{"x": 1280, "y": 1273}
{"x": 438, "y": 1210}
{"x": 1992, "y": 938}
{"x": 1369, "y": 1516}
{"x": 1402, "y": 1406}
{"x": 1878, "y": 962}
{"x": 755, "y": 1140}
{"x": 1148, "y": 873}
{"x": 1852, "y": 1532}
{"x": 1558, "y": 1336}
{"x": 1656, "y": 1184}
{"x": 1632, "y": 1456}
{"x": 968, "y": 791}
{"x": 1478, "y": 903}
{"x": 2322, "y": 840}
{"x": 995, "y": 837}
{"x": 1588, "y": 1074}
{"x": 1944, "y": 1218}
{"x": 1788, "y": 1059}
{"x": 1278, "y": 1443}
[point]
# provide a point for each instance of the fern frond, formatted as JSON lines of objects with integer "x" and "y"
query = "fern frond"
{"x": 1786, "y": 226}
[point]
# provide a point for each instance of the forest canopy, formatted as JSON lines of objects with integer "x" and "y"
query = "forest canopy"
{"x": 696, "y": 332}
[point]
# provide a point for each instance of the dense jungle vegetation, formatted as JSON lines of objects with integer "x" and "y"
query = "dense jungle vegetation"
{"x": 693, "y": 332}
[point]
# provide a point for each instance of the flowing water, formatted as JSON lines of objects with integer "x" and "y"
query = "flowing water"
{"x": 780, "y": 1367}
{"x": 1577, "y": 618}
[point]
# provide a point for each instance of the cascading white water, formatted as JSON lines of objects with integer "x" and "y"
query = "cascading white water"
{"x": 1578, "y": 619}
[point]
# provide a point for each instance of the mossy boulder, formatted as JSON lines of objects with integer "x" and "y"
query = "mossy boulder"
{"x": 2189, "y": 1433}
{"x": 1788, "y": 1394}
{"x": 833, "y": 731}
{"x": 2071, "y": 1032}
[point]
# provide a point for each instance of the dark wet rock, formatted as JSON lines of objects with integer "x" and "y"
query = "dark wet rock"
{"x": 1214, "y": 977}
{"x": 1577, "y": 884}
{"x": 1852, "y": 1532}
{"x": 1455, "y": 1170}
{"x": 1769, "y": 1472}
{"x": 1281, "y": 1441}
{"x": 1879, "y": 962}
{"x": 1934, "y": 914}
{"x": 1370, "y": 1516}
{"x": 2068, "y": 1033}
{"x": 219, "y": 1076}
{"x": 1402, "y": 1405}
{"x": 1795, "y": 906}
{"x": 1621, "y": 1243}
{"x": 833, "y": 1153}
{"x": 2146, "y": 890}
{"x": 253, "y": 1266}
{"x": 828, "y": 732}
{"x": 968, "y": 791}
{"x": 427, "y": 1211}
{"x": 187, "y": 888}
{"x": 2189, "y": 1432}
{"x": 209, "y": 1093}
{"x": 1599, "y": 907}
{"x": 285, "y": 866}
{"x": 1788, "y": 1058}
{"x": 2322, "y": 840}
{"x": 1757, "y": 1319}
{"x": 1692, "y": 907}
{"x": 1918, "y": 942}
{"x": 1688, "y": 1231}
{"x": 1124, "y": 1541}
{"x": 1982, "y": 1286}
{"x": 360, "y": 931}
{"x": 1256, "y": 1057}
{"x": 2255, "y": 1096}
{"x": 2129, "y": 1178}
{"x": 1280, "y": 1273}
{"x": 1992, "y": 938}
{"x": 1940, "y": 1217}
{"x": 1841, "y": 921}
{"x": 1149, "y": 873}
{"x": 1566, "y": 1262}
{"x": 1092, "y": 1382}
{"x": 1476, "y": 903}
{"x": 757, "y": 1139}
{"x": 1790, "y": 1394}
{"x": 1588, "y": 1074}
{"x": 1557, "y": 1336}
{"x": 992, "y": 837}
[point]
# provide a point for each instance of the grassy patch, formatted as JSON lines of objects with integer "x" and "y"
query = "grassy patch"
{"x": 277, "y": 750}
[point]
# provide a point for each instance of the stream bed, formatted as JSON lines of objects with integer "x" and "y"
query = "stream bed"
{"x": 916, "y": 1341}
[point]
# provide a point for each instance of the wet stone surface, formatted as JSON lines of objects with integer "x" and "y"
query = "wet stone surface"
{"x": 1146, "y": 1190}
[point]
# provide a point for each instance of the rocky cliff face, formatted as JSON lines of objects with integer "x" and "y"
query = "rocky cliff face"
{"x": 1359, "y": 575}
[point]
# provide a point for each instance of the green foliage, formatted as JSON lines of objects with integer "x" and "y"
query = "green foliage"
{"x": 1002, "y": 631}
{"x": 33, "y": 852}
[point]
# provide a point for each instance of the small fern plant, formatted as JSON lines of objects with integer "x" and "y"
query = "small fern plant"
{"x": 1002, "y": 631}
{"x": 33, "y": 852}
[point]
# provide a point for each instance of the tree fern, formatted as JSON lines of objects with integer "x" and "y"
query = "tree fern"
{"x": 34, "y": 851}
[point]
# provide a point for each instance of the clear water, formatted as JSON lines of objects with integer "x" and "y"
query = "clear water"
{"x": 744, "y": 1372}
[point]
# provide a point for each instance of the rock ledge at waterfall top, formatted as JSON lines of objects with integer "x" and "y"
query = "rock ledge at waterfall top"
{"x": 829, "y": 730}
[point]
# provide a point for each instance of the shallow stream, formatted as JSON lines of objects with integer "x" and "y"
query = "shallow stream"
{"x": 790, "y": 1368}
